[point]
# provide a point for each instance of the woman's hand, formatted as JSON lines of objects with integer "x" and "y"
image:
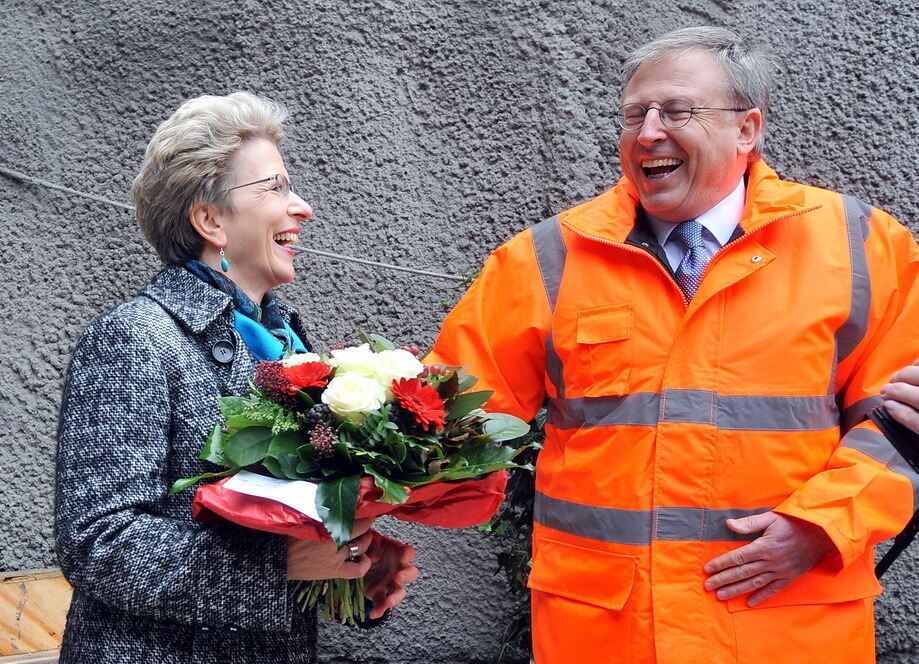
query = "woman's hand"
{"x": 308, "y": 560}
{"x": 901, "y": 396}
{"x": 391, "y": 570}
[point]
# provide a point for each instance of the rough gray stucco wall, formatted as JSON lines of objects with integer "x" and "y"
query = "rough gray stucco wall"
{"x": 424, "y": 133}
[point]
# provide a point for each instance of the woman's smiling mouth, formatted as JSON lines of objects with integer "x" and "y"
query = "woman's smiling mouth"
{"x": 286, "y": 238}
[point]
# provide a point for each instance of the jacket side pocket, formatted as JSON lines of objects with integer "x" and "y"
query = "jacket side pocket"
{"x": 595, "y": 577}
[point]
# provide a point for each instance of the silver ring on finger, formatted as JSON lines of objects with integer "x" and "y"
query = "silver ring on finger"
{"x": 354, "y": 553}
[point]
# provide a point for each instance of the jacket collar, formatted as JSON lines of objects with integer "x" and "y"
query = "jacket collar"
{"x": 197, "y": 304}
{"x": 612, "y": 215}
{"x": 188, "y": 299}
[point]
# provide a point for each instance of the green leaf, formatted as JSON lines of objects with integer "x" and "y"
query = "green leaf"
{"x": 477, "y": 462}
{"x": 336, "y": 501}
{"x": 501, "y": 427}
{"x": 306, "y": 399}
{"x": 286, "y": 442}
{"x": 382, "y": 343}
{"x": 397, "y": 449}
{"x": 305, "y": 467}
{"x": 213, "y": 448}
{"x": 485, "y": 455}
{"x": 283, "y": 466}
{"x": 464, "y": 404}
{"x": 231, "y": 406}
{"x": 377, "y": 458}
{"x": 185, "y": 482}
{"x": 449, "y": 388}
{"x": 248, "y": 446}
{"x": 393, "y": 492}
{"x": 465, "y": 381}
{"x": 341, "y": 451}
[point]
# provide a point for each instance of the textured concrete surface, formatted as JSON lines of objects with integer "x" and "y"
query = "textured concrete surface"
{"x": 424, "y": 133}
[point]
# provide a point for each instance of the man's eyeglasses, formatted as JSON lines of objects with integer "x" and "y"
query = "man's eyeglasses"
{"x": 281, "y": 184}
{"x": 673, "y": 114}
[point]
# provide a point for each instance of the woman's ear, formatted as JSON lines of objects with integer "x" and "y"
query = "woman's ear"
{"x": 208, "y": 222}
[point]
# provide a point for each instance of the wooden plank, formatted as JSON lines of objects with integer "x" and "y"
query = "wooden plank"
{"x": 33, "y": 610}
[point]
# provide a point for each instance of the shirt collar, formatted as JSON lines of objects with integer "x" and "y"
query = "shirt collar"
{"x": 721, "y": 220}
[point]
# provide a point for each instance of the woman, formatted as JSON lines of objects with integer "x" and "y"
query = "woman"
{"x": 150, "y": 584}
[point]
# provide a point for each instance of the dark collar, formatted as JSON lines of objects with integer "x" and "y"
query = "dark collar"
{"x": 196, "y": 304}
{"x": 188, "y": 299}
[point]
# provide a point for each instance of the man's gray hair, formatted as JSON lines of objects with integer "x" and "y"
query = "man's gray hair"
{"x": 189, "y": 160}
{"x": 748, "y": 68}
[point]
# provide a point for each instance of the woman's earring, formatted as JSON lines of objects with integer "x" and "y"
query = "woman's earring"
{"x": 224, "y": 262}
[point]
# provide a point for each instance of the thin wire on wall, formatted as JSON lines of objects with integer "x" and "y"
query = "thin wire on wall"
{"x": 22, "y": 177}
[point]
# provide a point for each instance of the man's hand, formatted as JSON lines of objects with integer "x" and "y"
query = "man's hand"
{"x": 787, "y": 549}
{"x": 901, "y": 396}
{"x": 385, "y": 583}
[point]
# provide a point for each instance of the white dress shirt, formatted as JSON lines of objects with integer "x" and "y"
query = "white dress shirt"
{"x": 718, "y": 225}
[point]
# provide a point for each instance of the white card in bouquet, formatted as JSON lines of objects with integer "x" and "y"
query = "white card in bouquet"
{"x": 297, "y": 494}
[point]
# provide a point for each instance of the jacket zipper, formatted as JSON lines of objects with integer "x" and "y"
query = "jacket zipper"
{"x": 627, "y": 247}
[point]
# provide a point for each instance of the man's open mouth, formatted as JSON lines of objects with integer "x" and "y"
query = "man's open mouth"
{"x": 658, "y": 168}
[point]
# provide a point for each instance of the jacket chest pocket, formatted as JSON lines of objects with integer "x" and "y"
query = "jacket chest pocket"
{"x": 605, "y": 349}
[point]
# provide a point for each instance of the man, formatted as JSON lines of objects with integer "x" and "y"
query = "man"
{"x": 709, "y": 338}
{"x": 901, "y": 396}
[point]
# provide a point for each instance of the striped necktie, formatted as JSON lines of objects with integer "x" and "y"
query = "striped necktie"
{"x": 688, "y": 273}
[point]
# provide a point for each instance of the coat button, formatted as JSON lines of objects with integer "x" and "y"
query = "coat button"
{"x": 223, "y": 351}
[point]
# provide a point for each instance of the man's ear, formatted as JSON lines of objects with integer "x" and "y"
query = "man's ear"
{"x": 208, "y": 222}
{"x": 748, "y": 131}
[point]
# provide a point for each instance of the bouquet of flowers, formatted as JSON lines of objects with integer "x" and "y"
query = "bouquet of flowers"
{"x": 377, "y": 432}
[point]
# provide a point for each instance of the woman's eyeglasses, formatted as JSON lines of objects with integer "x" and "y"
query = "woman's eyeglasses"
{"x": 281, "y": 184}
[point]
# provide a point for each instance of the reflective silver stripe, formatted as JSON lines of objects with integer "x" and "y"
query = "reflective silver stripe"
{"x": 551, "y": 252}
{"x": 554, "y": 366}
{"x": 550, "y": 255}
{"x": 639, "y": 409}
{"x": 777, "y": 413}
{"x": 606, "y": 524}
{"x": 640, "y": 527}
{"x": 859, "y": 411}
{"x": 850, "y": 334}
{"x": 698, "y": 524}
{"x": 876, "y": 446}
{"x": 734, "y": 412}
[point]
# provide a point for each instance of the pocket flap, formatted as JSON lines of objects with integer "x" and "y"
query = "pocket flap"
{"x": 597, "y": 326}
{"x": 586, "y": 575}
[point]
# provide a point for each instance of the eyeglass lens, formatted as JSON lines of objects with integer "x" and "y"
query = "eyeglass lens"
{"x": 673, "y": 114}
{"x": 283, "y": 184}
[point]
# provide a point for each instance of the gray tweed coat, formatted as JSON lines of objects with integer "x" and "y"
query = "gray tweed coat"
{"x": 150, "y": 584}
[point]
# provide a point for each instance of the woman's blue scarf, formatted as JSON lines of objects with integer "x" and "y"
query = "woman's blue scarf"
{"x": 263, "y": 329}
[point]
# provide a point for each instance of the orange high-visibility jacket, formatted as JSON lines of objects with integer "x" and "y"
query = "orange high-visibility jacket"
{"x": 666, "y": 418}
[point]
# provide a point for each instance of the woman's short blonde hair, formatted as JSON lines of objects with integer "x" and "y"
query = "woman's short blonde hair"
{"x": 189, "y": 161}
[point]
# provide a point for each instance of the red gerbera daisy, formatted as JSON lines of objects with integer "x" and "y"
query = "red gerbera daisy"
{"x": 422, "y": 401}
{"x": 307, "y": 374}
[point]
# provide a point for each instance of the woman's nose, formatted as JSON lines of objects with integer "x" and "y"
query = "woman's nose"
{"x": 297, "y": 207}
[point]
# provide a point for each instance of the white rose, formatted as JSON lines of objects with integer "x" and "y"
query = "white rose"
{"x": 352, "y": 397}
{"x": 354, "y": 360}
{"x": 393, "y": 364}
{"x": 300, "y": 358}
